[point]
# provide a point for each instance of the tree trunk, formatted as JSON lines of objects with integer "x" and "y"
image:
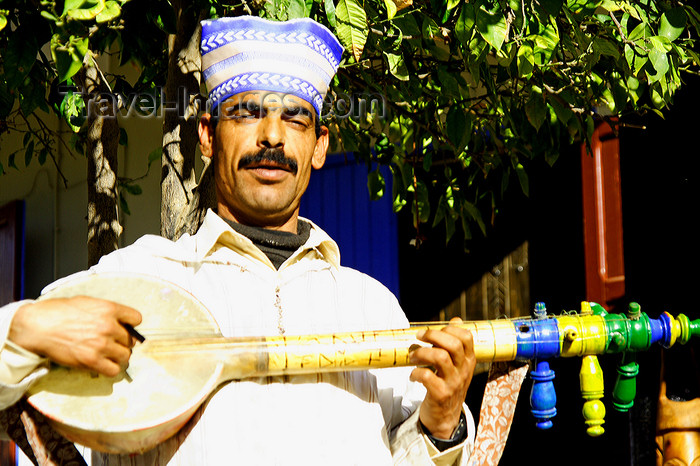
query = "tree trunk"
{"x": 101, "y": 150}
{"x": 183, "y": 200}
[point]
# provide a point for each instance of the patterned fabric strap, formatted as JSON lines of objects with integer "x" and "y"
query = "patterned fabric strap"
{"x": 497, "y": 411}
{"x": 37, "y": 439}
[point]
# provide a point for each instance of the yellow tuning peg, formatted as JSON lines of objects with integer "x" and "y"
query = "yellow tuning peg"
{"x": 592, "y": 388}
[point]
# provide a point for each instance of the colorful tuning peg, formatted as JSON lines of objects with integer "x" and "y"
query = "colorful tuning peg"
{"x": 592, "y": 389}
{"x": 543, "y": 397}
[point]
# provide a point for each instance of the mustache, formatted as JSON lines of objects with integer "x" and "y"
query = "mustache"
{"x": 275, "y": 156}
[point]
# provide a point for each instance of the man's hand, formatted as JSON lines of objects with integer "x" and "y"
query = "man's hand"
{"x": 452, "y": 356}
{"x": 81, "y": 332}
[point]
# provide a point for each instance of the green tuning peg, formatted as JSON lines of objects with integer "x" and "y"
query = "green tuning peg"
{"x": 626, "y": 384}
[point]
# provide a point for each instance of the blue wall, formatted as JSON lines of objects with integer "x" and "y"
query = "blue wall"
{"x": 338, "y": 201}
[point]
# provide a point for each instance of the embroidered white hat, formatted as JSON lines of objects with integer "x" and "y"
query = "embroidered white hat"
{"x": 247, "y": 53}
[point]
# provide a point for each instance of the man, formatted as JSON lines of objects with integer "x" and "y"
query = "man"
{"x": 261, "y": 269}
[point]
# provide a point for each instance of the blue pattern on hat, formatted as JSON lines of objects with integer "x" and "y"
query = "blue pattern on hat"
{"x": 259, "y": 46}
{"x": 267, "y": 82}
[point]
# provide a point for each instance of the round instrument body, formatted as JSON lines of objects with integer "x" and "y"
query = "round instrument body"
{"x": 159, "y": 391}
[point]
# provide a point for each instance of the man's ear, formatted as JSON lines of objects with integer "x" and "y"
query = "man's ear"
{"x": 206, "y": 132}
{"x": 319, "y": 157}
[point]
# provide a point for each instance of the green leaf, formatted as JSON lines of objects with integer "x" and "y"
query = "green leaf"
{"x": 3, "y": 23}
{"x": 635, "y": 60}
{"x": 375, "y": 184}
{"x": 132, "y": 189}
{"x": 605, "y": 47}
{"x": 19, "y": 57}
{"x": 352, "y": 26}
{"x": 427, "y": 160}
{"x": 72, "y": 5}
{"x": 452, "y": 4}
{"x": 634, "y": 88}
{"x": 449, "y": 84}
{"x": 422, "y": 200}
{"x": 474, "y": 213}
{"x": 329, "y": 8}
{"x": 523, "y": 179}
{"x": 155, "y": 155}
{"x": 398, "y": 189}
{"x": 72, "y": 110}
{"x": 545, "y": 39}
{"x": 296, "y": 9}
{"x": 42, "y": 155}
{"x": 31, "y": 96}
{"x": 525, "y": 60}
{"x": 465, "y": 228}
{"x": 551, "y": 156}
{"x": 124, "y": 205}
{"x": 561, "y": 108}
{"x": 672, "y": 23}
{"x": 641, "y": 32}
{"x": 397, "y": 66}
{"x": 658, "y": 58}
{"x": 619, "y": 92}
{"x": 694, "y": 18}
{"x": 459, "y": 128}
{"x": 29, "y": 154}
{"x": 440, "y": 211}
{"x": 86, "y": 11}
{"x": 68, "y": 55}
{"x": 390, "y": 8}
{"x": 111, "y": 11}
{"x": 583, "y": 6}
{"x": 429, "y": 29}
{"x": 449, "y": 227}
{"x": 11, "y": 161}
{"x": 536, "y": 109}
{"x": 694, "y": 56}
{"x": 492, "y": 26}
{"x": 48, "y": 15}
{"x": 465, "y": 23}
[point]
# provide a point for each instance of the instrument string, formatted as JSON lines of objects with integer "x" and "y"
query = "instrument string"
{"x": 486, "y": 332}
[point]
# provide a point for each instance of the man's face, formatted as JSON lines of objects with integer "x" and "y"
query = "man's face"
{"x": 264, "y": 147}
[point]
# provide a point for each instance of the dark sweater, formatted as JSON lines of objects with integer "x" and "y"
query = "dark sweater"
{"x": 278, "y": 246}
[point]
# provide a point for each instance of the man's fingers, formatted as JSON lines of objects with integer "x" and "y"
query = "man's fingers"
{"x": 107, "y": 367}
{"x": 119, "y": 354}
{"x": 427, "y": 377}
{"x": 455, "y": 341}
{"x": 128, "y": 315}
{"x": 437, "y": 358}
{"x": 110, "y": 360}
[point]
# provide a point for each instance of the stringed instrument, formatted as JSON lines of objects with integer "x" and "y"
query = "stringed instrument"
{"x": 191, "y": 359}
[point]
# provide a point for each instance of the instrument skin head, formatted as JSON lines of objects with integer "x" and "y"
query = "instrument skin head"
{"x": 150, "y": 400}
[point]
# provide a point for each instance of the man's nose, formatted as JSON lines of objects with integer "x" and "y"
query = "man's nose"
{"x": 271, "y": 131}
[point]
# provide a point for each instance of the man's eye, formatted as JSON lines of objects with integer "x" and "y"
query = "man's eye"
{"x": 241, "y": 113}
{"x": 299, "y": 121}
{"x": 297, "y": 118}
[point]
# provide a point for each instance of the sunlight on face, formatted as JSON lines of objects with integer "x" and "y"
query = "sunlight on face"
{"x": 264, "y": 147}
